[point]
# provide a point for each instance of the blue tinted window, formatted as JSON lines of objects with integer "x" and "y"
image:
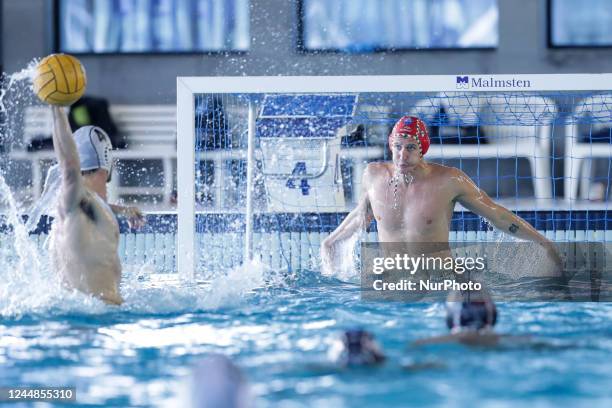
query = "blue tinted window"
{"x": 156, "y": 26}
{"x": 581, "y": 22}
{"x": 368, "y": 25}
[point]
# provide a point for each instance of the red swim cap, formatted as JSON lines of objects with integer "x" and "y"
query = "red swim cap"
{"x": 414, "y": 127}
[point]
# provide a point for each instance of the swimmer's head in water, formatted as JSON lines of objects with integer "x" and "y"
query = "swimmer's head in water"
{"x": 412, "y": 127}
{"x": 359, "y": 348}
{"x": 94, "y": 148}
{"x": 470, "y": 315}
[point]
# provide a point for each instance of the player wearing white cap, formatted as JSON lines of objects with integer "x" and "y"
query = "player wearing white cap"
{"x": 85, "y": 233}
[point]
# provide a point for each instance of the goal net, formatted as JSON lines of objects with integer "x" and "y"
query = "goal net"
{"x": 269, "y": 166}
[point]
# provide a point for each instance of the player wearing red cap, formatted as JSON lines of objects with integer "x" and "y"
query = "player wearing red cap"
{"x": 410, "y": 126}
{"x": 412, "y": 200}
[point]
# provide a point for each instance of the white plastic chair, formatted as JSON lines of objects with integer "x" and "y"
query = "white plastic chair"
{"x": 577, "y": 153}
{"x": 529, "y": 137}
{"x": 151, "y": 130}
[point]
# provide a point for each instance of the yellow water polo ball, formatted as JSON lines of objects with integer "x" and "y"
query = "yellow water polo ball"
{"x": 59, "y": 79}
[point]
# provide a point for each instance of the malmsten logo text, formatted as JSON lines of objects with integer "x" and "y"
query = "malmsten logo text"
{"x": 466, "y": 82}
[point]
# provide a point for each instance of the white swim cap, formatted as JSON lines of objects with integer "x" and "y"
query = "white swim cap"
{"x": 94, "y": 148}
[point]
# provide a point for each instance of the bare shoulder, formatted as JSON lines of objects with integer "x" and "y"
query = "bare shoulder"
{"x": 441, "y": 170}
{"x": 376, "y": 169}
{"x": 446, "y": 174}
{"x": 451, "y": 179}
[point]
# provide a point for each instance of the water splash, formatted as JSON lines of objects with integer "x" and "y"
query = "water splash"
{"x": 29, "y": 285}
{"x": 24, "y": 271}
{"x": 346, "y": 261}
{"x": 15, "y": 94}
{"x": 519, "y": 260}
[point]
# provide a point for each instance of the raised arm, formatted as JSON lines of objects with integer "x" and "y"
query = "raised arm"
{"x": 477, "y": 201}
{"x": 68, "y": 159}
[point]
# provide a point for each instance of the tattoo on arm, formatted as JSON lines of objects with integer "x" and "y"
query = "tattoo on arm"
{"x": 513, "y": 228}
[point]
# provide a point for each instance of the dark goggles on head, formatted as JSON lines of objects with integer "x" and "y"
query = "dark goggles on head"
{"x": 353, "y": 340}
{"x": 360, "y": 348}
{"x": 473, "y": 315}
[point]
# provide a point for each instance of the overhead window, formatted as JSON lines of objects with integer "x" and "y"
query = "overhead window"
{"x": 373, "y": 25}
{"x": 152, "y": 26}
{"x": 580, "y": 23}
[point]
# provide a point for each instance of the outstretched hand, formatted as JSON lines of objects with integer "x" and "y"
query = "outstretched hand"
{"x": 134, "y": 216}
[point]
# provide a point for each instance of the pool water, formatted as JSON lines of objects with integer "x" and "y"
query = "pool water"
{"x": 278, "y": 329}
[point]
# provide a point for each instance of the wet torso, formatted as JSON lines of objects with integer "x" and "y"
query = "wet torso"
{"x": 424, "y": 206}
{"x": 85, "y": 243}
